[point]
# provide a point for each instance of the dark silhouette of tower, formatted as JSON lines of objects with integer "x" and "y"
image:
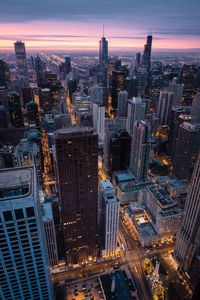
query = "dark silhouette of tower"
{"x": 103, "y": 51}
{"x": 146, "y": 58}
{"x": 39, "y": 68}
{"x": 76, "y": 158}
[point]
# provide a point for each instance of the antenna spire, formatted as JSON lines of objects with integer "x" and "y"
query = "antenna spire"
{"x": 103, "y": 30}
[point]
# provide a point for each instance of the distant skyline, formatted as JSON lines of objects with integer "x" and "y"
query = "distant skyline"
{"x": 77, "y": 25}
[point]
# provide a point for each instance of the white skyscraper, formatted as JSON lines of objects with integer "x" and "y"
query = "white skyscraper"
{"x": 24, "y": 260}
{"x": 136, "y": 112}
{"x": 122, "y": 104}
{"x": 177, "y": 89}
{"x": 165, "y": 104}
{"x": 188, "y": 239}
{"x": 140, "y": 149}
{"x": 109, "y": 218}
{"x": 98, "y": 114}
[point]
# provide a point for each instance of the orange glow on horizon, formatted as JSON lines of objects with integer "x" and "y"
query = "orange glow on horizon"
{"x": 73, "y": 36}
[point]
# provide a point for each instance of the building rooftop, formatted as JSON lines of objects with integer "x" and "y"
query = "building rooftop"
{"x": 73, "y": 131}
{"x": 125, "y": 175}
{"x": 115, "y": 286}
{"x": 106, "y": 184}
{"x": 47, "y": 213}
{"x": 162, "y": 198}
{"x": 16, "y": 183}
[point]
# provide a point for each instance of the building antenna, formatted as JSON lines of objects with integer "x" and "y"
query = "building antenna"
{"x": 103, "y": 30}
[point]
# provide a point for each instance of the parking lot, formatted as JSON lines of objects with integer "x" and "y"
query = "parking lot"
{"x": 87, "y": 289}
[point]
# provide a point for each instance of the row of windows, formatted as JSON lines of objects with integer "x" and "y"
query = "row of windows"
{"x": 19, "y": 214}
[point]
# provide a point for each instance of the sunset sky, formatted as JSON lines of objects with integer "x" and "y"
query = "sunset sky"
{"x": 67, "y": 25}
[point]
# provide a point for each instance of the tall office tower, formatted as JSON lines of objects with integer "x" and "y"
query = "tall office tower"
{"x": 119, "y": 152}
{"x": 122, "y": 104}
{"x": 76, "y": 159}
{"x": 32, "y": 113}
{"x": 164, "y": 107}
{"x": 131, "y": 86}
{"x": 98, "y": 114}
{"x": 103, "y": 52}
{"x": 195, "y": 110}
{"x": 137, "y": 60}
{"x": 109, "y": 218}
{"x": 68, "y": 66}
{"x": 111, "y": 126}
{"x": 15, "y": 110}
{"x": 20, "y": 53}
{"x": 45, "y": 100}
{"x": 189, "y": 77}
{"x": 72, "y": 87}
{"x": 50, "y": 232}
{"x": 50, "y": 79}
{"x": 142, "y": 80}
{"x": 188, "y": 240}
{"x": 136, "y": 112}
{"x": 179, "y": 115}
{"x": 118, "y": 84}
{"x": 24, "y": 264}
{"x": 39, "y": 68}
{"x": 177, "y": 89}
{"x": 186, "y": 149}
{"x": 97, "y": 94}
{"x": 140, "y": 149}
{"x": 146, "y": 58}
{"x": 27, "y": 95}
{"x": 4, "y": 74}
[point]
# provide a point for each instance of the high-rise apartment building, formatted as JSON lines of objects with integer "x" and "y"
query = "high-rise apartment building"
{"x": 136, "y": 112}
{"x": 109, "y": 218}
{"x": 188, "y": 240}
{"x": 177, "y": 89}
{"x": 140, "y": 149}
{"x": 122, "y": 104}
{"x": 76, "y": 159}
{"x": 24, "y": 263}
{"x": 20, "y": 53}
{"x": 164, "y": 107}
{"x": 186, "y": 150}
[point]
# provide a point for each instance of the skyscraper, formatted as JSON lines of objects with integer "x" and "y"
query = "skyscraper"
{"x": 103, "y": 51}
{"x": 24, "y": 264}
{"x": 164, "y": 107}
{"x": 136, "y": 112}
{"x": 4, "y": 74}
{"x": 186, "y": 149}
{"x": 20, "y": 53}
{"x": 146, "y": 58}
{"x": 118, "y": 84}
{"x": 177, "y": 89}
{"x": 109, "y": 218}
{"x": 39, "y": 68}
{"x": 76, "y": 159}
{"x": 140, "y": 149}
{"x": 188, "y": 240}
{"x": 98, "y": 114}
{"x": 122, "y": 104}
{"x": 195, "y": 110}
{"x": 15, "y": 110}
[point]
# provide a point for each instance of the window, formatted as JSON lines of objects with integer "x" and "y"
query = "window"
{"x": 30, "y": 212}
{"x": 7, "y": 215}
{"x": 19, "y": 214}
